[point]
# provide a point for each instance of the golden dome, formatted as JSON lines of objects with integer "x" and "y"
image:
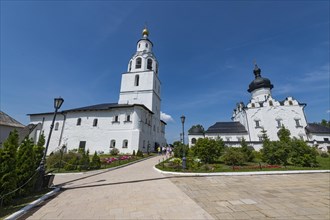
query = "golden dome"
{"x": 145, "y": 32}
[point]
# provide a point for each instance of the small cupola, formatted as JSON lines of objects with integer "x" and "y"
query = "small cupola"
{"x": 259, "y": 82}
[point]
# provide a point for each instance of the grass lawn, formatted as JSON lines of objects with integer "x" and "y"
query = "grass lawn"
{"x": 324, "y": 164}
{"x": 19, "y": 203}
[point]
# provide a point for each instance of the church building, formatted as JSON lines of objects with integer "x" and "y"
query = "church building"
{"x": 133, "y": 123}
{"x": 264, "y": 113}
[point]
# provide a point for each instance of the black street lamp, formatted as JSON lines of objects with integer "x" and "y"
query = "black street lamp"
{"x": 183, "y": 118}
{"x": 57, "y": 105}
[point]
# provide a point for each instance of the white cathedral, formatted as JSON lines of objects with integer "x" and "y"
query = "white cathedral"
{"x": 133, "y": 123}
{"x": 263, "y": 112}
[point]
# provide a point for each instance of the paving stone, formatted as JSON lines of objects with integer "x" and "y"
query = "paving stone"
{"x": 129, "y": 193}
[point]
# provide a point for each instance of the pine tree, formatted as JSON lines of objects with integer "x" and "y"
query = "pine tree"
{"x": 96, "y": 162}
{"x": 248, "y": 154}
{"x": 39, "y": 150}
{"x": 8, "y": 176}
{"x": 25, "y": 166}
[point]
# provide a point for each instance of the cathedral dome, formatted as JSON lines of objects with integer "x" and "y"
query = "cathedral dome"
{"x": 259, "y": 82}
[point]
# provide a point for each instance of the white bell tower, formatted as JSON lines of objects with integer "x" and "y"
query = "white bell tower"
{"x": 140, "y": 84}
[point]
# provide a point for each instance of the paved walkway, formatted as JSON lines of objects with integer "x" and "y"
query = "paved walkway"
{"x": 140, "y": 192}
{"x": 132, "y": 192}
{"x": 294, "y": 196}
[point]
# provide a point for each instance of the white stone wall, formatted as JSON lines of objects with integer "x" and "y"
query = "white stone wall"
{"x": 268, "y": 117}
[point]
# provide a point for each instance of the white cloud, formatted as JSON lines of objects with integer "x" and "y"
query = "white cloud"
{"x": 328, "y": 111}
{"x": 165, "y": 117}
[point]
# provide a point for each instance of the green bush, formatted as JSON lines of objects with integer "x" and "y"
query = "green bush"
{"x": 234, "y": 156}
{"x": 8, "y": 175}
{"x": 247, "y": 151}
{"x": 179, "y": 148}
{"x": 208, "y": 150}
{"x": 114, "y": 152}
{"x": 324, "y": 155}
{"x": 96, "y": 162}
{"x": 303, "y": 155}
{"x": 139, "y": 153}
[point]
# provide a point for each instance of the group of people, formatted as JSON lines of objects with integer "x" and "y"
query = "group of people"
{"x": 165, "y": 150}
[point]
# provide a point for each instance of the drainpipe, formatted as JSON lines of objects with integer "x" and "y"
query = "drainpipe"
{"x": 61, "y": 135}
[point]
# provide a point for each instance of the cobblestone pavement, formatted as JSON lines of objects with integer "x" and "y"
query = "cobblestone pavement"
{"x": 297, "y": 196}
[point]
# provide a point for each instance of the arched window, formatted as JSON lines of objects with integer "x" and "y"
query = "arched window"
{"x": 149, "y": 64}
{"x": 137, "y": 79}
{"x": 130, "y": 65}
{"x": 146, "y": 45}
{"x": 95, "y": 122}
{"x": 290, "y": 102}
{"x": 128, "y": 118}
{"x": 125, "y": 143}
{"x": 193, "y": 141}
{"x": 270, "y": 103}
{"x": 112, "y": 143}
{"x": 138, "y": 63}
{"x": 56, "y": 126}
{"x": 78, "y": 121}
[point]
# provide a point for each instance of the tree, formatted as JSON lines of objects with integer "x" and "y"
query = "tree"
{"x": 234, "y": 156}
{"x": 39, "y": 150}
{"x": 8, "y": 175}
{"x": 84, "y": 161}
{"x": 25, "y": 167}
{"x": 199, "y": 127}
{"x": 248, "y": 153}
{"x": 208, "y": 150}
{"x": 325, "y": 123}
{"x": 302, "y": 154}
{"x": 179, "y": 148}
{"x": 284, "y": 134}
{"x": 96, "y": 162}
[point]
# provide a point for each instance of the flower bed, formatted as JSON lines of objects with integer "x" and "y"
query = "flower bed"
{"x": 110, "y": 160}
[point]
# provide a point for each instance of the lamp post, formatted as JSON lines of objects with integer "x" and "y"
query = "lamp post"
{"x": 57, "y": 105}
{"x": 183, "y": 118}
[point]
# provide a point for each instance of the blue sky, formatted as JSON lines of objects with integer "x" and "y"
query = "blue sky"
{"x": 79, "y": 49}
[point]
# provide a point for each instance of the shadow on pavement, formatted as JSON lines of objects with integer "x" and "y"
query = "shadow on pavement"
{"x": 129, "y": 182}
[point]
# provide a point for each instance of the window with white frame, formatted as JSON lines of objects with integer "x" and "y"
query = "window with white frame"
{"x": 257, "y": 123}
{"x": 78, "y": 121}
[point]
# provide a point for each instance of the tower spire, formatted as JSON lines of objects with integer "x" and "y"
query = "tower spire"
{"x": 257, "y": 70}
{"x": 145, "y": 31}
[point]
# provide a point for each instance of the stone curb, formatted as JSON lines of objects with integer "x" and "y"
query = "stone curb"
{"x": 244, "y": 173}
{"x": 24, "y": 210}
